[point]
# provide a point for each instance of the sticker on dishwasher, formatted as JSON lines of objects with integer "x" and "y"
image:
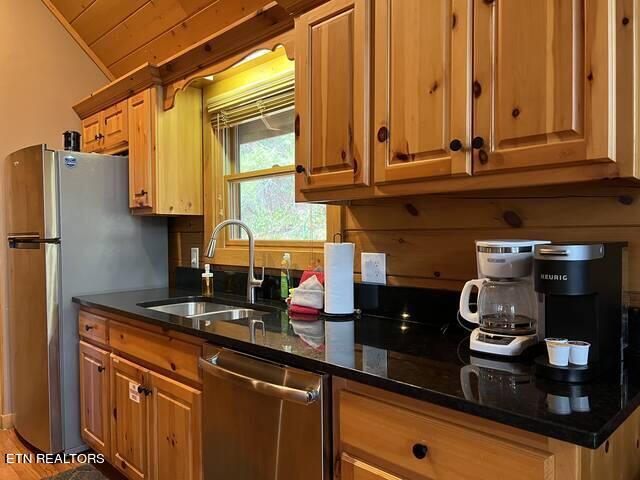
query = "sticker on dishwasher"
{"x": 133, "y": 392}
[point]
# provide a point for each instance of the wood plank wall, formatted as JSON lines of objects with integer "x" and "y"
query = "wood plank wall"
{"x": 184, "y": 233}
{"x": 430, "y": 239}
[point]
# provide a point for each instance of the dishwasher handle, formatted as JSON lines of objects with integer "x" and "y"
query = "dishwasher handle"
{"x": 304, "y": 397}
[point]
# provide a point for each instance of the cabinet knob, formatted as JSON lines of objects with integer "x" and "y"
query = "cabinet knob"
{"x": 88, "y": 328}
{"x": 455, "y": 145}
{"x": 96, "y": 137}
{"x": 383, "y": 134}
{"x": 483, "y": 157}
{"x": 141, "y": 194}
{"x": 144, "y": 390}
{"x": 296, "y": 126}
{"x": 300, "y": 169}
{"x": 477, "y": 142}
{"x": 100, "y": 368}
{"x": 420, "y": 451}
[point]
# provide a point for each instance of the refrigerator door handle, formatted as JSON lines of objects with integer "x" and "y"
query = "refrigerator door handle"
{"x": 29, "y": 241}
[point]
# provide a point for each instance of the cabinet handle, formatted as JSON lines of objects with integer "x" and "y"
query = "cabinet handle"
{"x": 477, "y": 142}
{"x": 88, "y": 327}
{"x": 96, "y": 137}
{"x": 483, "y": 157}
{"x": 420, "y": 451}
{"x": 100, "y": 369}
{"x": 141, "y": 194}
{"x": 296, "y": 125}
{"x": 383, "y": 134}
{"x": 300, "y": 169}
{"x": 144, "y": 390}
{"x": 455, "y": 145}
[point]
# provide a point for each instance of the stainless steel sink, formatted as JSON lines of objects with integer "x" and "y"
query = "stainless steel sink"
{"x": 206, "y": 310}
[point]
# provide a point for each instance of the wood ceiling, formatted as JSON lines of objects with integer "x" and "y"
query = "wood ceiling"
{"x": 123, "y": 34}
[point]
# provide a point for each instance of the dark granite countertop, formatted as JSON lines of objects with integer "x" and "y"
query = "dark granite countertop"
{"x": 415, "y": 359}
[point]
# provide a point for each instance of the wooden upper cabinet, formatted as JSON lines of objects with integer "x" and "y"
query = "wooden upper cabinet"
{"x": 94, "y": 398}
{"x": 175, "y": 433}
{"x": 115, "y": 128}
{"x": 332, "y": 95}
{"x": 91, "y": 131}
{"x": 165, "y": 154}
{"x": 129, "y": 424}
{"x": 541, "y": 86}
{"x": 422, "y": 99}
{"x": 141, "y": 148}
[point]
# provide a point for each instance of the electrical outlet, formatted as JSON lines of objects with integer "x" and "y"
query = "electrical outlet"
{"x": 374, "y": 268}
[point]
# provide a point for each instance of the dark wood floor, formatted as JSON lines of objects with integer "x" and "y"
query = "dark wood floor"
{"x": 10, "y": 443}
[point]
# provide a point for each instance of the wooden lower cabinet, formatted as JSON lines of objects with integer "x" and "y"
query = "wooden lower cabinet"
{"x": 129, "y": 421}
{"x": 174, "y": 429}
{"x": 354, "y": 469}
{"x": 155, "y": 426}
{"x": 94, "y": 398}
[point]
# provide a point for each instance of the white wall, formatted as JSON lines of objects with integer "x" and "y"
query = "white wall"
{"x": 43, "y": 72}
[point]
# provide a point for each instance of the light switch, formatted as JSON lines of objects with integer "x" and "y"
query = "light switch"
{"x": 374, "y": 267}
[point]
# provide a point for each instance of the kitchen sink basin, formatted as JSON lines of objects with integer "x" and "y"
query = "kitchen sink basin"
{"x": 206, "y": 310}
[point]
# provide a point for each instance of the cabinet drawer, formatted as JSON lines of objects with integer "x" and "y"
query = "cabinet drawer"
{"x": 92, "y": 326}
{"x": 165, "y": 352}
{"x": 396, "y": 439}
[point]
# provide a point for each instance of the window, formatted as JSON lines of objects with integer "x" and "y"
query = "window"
{"x": 259, "y": 181}
{"x": 254, "y": 155}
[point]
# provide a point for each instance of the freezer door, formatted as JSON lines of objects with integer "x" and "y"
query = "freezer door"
{"x": 34, "y": 279}
{"x": 32, "y": 193}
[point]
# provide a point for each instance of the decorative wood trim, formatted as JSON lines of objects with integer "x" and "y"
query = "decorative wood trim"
{"x": 267, "y": 28}
{"x": 143, "y": 77}
{"x": 78, "y": 39}
{"x": 296, "y": 7}
{"x": 286, "y": 40}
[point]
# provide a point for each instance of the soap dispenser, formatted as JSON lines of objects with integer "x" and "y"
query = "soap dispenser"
{"x": 207, "y": 281}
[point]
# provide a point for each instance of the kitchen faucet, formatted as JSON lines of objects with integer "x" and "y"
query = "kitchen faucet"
{"x": 252, "y": 282}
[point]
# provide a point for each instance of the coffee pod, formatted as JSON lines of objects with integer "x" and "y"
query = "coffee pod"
{"x": 579, "y": 352}
{"x": 558, "y": 353}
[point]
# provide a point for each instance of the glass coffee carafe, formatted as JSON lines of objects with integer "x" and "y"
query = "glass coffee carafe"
{"x": 505, "y": 306}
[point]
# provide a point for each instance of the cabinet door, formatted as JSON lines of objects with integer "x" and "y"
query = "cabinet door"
{"x": 541, "y": 83}
{"x": 141, "y": 114}
{"x": 174, "y": 425}
{"x": 422, "y": 95}
{"x": 115, "y": 127}
{"x": 91, "y": 133}
{"x": 129, "y": 426}
{"x": 332, "y": 95}
{"x": 94, "y": 398}
{"x": 353, "y": 469}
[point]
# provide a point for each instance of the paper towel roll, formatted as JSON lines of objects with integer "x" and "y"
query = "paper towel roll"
{"x": 338, "y": 278}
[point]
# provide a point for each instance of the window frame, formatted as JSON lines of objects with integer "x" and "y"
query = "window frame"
{"x": 233, "y": 251}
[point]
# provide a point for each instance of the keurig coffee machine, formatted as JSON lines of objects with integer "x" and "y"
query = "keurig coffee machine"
{"x": 582, "y": 284}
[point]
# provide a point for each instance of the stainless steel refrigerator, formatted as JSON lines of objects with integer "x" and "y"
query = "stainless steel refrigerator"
{"x": 70, "y": 232}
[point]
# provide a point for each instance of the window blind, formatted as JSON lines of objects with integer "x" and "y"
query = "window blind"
{"x": 244, "y": 104}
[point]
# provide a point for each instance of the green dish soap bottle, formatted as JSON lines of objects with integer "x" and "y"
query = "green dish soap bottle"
{"x": 284, "y": 276}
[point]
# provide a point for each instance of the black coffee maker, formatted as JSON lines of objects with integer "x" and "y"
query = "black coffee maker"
{"x": 583, "y": 289}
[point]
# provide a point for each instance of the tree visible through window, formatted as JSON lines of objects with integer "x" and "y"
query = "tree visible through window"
{"x": 260, "y": 181}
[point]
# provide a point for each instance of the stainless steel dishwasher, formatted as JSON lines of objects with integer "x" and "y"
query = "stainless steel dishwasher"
{"x": 263, "y": 421}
